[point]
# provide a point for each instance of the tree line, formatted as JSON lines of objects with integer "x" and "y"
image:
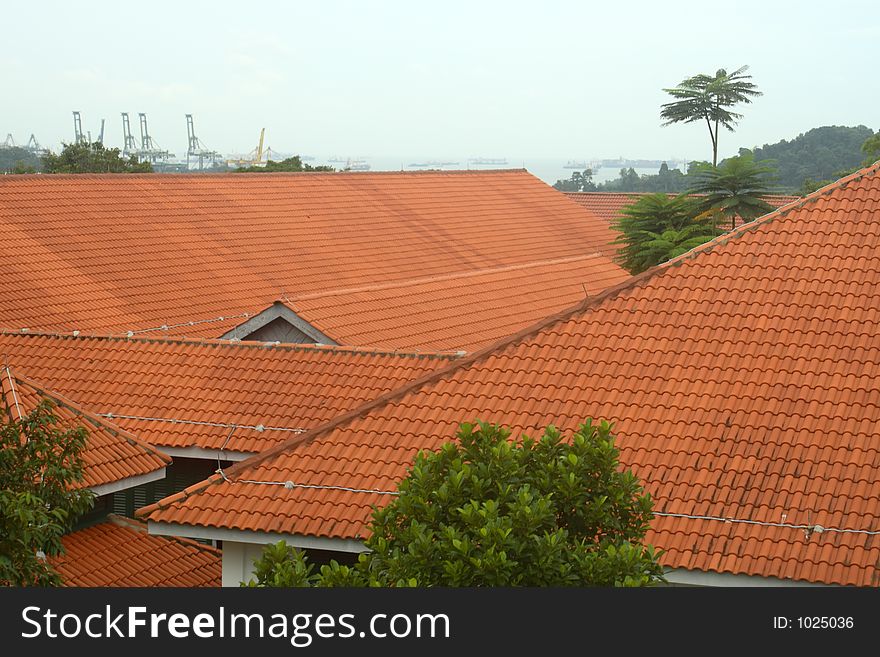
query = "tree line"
{"x": 96, "y": 158}
{"x": 802, "y": 165}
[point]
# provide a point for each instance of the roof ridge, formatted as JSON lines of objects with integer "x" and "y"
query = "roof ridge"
{"x": 93, "y": 417}
{"x": 535, "y": 328}
{"x": 249, "y": 344}
{"x": 443, "y": 277}
{"x": 179, "y": 496}
{"x": 771, "y": 216}
{"x": 261, "y": 175}
{"x": 773, "y": 195}
{"x": 141, "y": 528}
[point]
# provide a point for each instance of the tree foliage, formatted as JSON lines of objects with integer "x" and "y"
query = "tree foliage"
{"x": 293, "y": 164}
{"x": 658, "y": 227}
{"x": 871, "y": 148}
{"x": 39, "y": 465}
{"x": 487, "y": 511}
{"x": 734, "y": 190}
{"x": 711, "y": 99}
{"x": 18, "y": 160}
{"x": 92, "y": 158}
{"x": 579, "y": 182}
{"x": 816, "y": 157}
{"x": 670, "y": 181}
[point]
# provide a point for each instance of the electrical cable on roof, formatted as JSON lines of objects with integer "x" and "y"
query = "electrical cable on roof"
{"x": 167, "y": 327}
{"x": 225, "y": 442}
{"x": 260, "y": 428}
{"x": 290, "y": 485}
{"x": 14, "y": 393}
{"x": 818, "y": 529}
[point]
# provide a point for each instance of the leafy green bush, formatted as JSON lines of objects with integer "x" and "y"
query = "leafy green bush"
{"x": 39, "y": 464}
{"x": 486, "y": 511}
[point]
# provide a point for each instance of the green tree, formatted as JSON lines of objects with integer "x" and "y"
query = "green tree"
{"x": 40, "y": 464}
{"x": 711, "y": 99}
{"x": 657, "y": 228}
{"x": 487, "y": 511}
{"x": 294, "y": 164}
{"x": 579, "y": 182}
{"x": 821, "y": 154}
{"x": 667, "y": 180}
{"x": 21, "y": 168}
{"x": 92, "y": 158}
{"x": 734, "y": 190}
{"x": 15, "y": 159}
{"x": 871, "y": 148}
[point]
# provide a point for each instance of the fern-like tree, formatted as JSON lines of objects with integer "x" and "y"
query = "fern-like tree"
{"x": 711, "y": 99}
{"x": 41, "y": 466}
{"x": 735, "y": 190}
{"x": 659, "y": 227}
{"x": 488, "y": 511}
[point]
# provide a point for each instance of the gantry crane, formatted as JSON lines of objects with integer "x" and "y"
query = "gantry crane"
{"x": 150, "y": 150}
{"x": 195, "y": 148}
{"x": 79, "y": 137}
{"x": 129, "y": 145}
{"x": 33, "y": 147}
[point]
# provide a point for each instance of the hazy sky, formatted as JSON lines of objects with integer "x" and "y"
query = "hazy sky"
{"x": 538, "y": 79}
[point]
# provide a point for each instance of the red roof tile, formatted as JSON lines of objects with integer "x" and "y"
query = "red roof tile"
{"x": 194, "y": 253}
{"x": 608, "y": 205}
{"x": 207, "y": 385}
{"x": 459, "y": 311}
{"x": 111, "y": 454}
{"x": 120, "y": 552}
{"x": 742, "y": 379}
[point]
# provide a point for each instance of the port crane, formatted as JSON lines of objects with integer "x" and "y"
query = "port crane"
{"x": 196, "y": 149}
{"x": 255, "y": 157}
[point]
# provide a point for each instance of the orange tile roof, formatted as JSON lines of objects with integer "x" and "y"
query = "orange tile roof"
{"x": 196, "y": 253}
{"x": 459, "y": 311}
{"x": 742, "y": 379}
{"x": 111, "y": 454}
{"x": 607, "y": 205}
{"x": 208, "y": 384}
{"x": 120, "y": 552}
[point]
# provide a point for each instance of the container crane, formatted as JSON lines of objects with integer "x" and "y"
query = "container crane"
{"x": 79, "y": 137}
{"x": 195, "y": 148}
{"x": 129, "y": 145}
{"x": 150, "y": 150}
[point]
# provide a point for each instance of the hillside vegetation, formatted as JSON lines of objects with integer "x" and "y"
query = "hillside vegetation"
{"x": 818, "y": 154}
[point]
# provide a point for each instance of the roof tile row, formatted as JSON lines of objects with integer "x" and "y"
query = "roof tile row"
{"x": 111, "y": 254}
{"x": 120, "y": 552}
{"x": 740, "y": 378}
{"x": 194, "y": 389}
{"x": 111, "y": 454}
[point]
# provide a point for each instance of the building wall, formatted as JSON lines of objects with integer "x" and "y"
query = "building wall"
{"x": 238, "y": 560}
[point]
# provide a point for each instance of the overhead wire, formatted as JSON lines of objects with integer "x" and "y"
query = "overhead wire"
{"x": 14, "y": 393}
{"x": 818, "y": 529}
{"x": 168, "y": 327}
{"x": 221, "y": 425}
{"x": 289, "y": 485}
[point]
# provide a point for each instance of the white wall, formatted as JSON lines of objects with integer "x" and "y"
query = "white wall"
{"x": 238, "y": 561}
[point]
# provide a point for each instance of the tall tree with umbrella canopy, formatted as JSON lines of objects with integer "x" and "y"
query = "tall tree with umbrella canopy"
{"x": 710, "y": 98}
